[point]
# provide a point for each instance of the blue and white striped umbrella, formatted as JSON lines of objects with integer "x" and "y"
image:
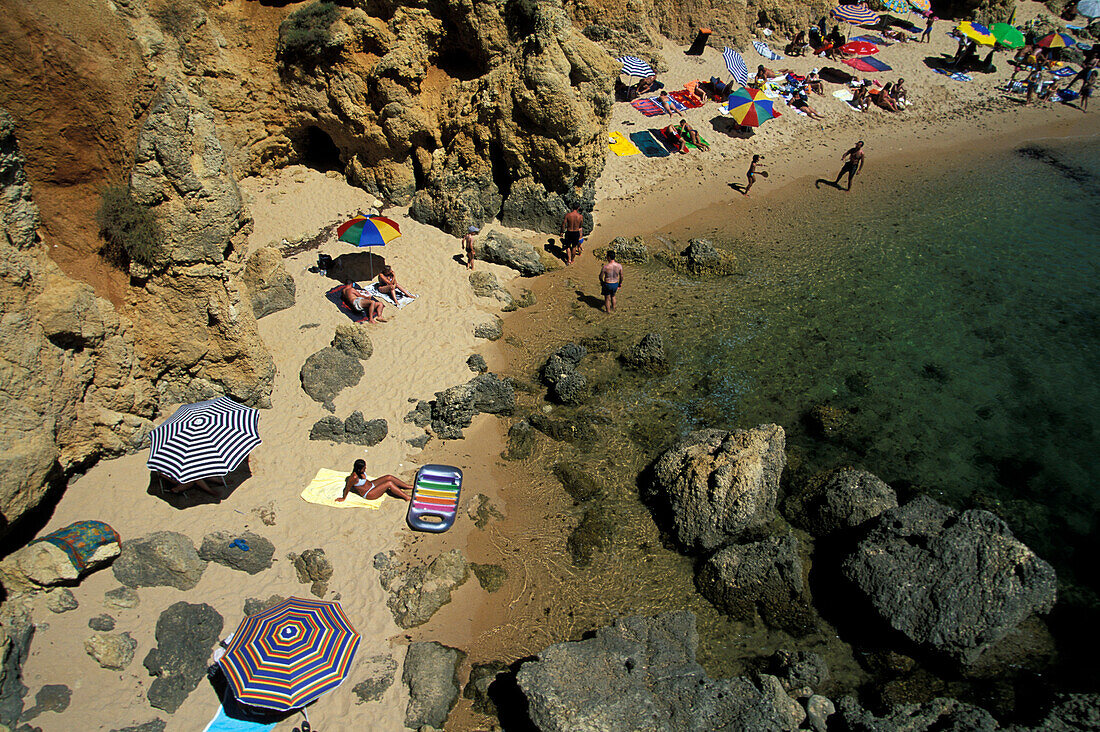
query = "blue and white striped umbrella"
{"x": 736, "y": 65}
{"x": 855, "y": 14}
{"x": 286, "y": 657}
{"x": 203, "y": 440}
{"x": 634, "y": 66}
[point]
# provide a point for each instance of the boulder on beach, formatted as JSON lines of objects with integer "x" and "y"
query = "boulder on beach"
{"x": 952, "y": 583}
{"x": 455, "y": 408}
{"x": 161, "y": 559}
{"x": 185, "y": 635}
{"x": 245, "y": 552}
{"x": 431, "y": 673}
{"x": 313, "y": 569}
{"x": 719, "y": 486}
{"x": 416, "y": 593}
{"x": 641, "y": 674}
{"x": 764, "y": 577}
{"x": 60, "y": 557}
{"x": 500, "y": 248}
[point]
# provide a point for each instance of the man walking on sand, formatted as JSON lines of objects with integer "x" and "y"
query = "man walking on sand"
{"x": 571, "y": 234}
{"x": 611, "y": 279}
{"x": 853, "y": 164}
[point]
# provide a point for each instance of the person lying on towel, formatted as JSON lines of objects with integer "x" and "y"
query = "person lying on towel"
{"x": 361, "y": 302}
{"x": 358, "y": 483}
{"x": 687, "y": 132}
{"x": 674, "y": 139}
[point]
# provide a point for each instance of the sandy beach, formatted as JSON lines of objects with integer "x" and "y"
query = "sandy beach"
{"x": 422, "y": 349}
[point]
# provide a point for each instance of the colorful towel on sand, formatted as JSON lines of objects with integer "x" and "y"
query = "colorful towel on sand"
{"x": 956, "y": 75}
{"x": 328, "y": 485}
{"x": 691, "y": 144}
{"x": 844, "y": 95}
{"x": 222, "y": 722}
{"x": 81, "y": 540}
{"x": 686, "y": 98}
{"x": 868, "y": 65}
{"x": 1064, "y": 72}
{"x": 334, "y": 296}
{"x": 763, "y": 50}
{"x": 650, "y": 108}
{"x": 870, "y": 39}
{"x": 1067, "y": 95}
{"x": 622, "y": 146}
{"x": 373, "y": 290}
{"x": 650, "y": 146}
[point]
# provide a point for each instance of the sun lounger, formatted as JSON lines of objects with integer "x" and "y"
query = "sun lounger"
{"x": 621, "y": 146}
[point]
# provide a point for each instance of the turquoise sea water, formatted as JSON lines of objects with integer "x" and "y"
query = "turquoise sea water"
{"x": 951, "y": 328}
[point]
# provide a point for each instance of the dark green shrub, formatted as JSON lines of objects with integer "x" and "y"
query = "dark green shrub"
{"x": 304, "y": 37}
{"x": 129, "y": 229}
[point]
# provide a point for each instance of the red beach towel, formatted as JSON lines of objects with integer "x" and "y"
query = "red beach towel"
{"x": 686, "y": 98}
{"x": 648, "y": 107}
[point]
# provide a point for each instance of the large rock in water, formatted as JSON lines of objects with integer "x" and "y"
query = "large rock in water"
{"x": 938, "y": 715}
{"x": 719, "y": 485}
{"x": 841, "y": 499}
{"x": 500, "y": 248}
{"x": 953, "y": 583}
{"x": 765, "y": 577}
{"x": 641, "y": 674}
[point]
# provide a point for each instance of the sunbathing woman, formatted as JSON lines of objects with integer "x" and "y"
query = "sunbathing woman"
{"x": 358, "y": 483}
{"x": 885, "y": 98}
{"x": 664, "y": 101}
{"x": 387, "y": 284}
{"x": 802, "y": 103}
{"x": 688, "y": 133}
{"x": 861, "y": 98}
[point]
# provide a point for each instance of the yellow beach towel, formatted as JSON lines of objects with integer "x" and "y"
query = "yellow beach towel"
{"x": 327, "y": 486}
{"x": 621, "y": 146}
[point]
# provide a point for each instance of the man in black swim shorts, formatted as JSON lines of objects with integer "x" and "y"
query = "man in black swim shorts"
{"x": 571, "y": 234}
{"x": 852, "y": 165}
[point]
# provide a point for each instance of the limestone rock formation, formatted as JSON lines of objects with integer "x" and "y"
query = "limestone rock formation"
{"x": 416, "y": 593}
{"x": 719, "y": 485}
{"x": 43, "y": 563}
{"x": 161, "y": 559}
{"x": 641, "y": 674}
{"x": 245, "y": 552}
{"x": 270, "y": 286}
{"x": 455, "y": 408}
{"x": 500, "y": 248}
{"x": 952, "y": 583}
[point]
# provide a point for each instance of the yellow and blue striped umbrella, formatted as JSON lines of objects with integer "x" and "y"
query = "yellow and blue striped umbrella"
{"x": 855, "y": 14}
{"x": 977, "y": 32}
{"x": 285, "y": 657}
{"x": 896, "y": 6}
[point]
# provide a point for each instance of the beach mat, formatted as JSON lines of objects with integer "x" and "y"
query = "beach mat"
{"x": 763, "y": 50}
{"x": 650, "y": 146}
{"x": 373, "y": 290}
{"x": 870, "y": 39}
{"x": 222, "y": 722}
{"x": 692, "y": 145}
{"x": 622, "y": 146}
{"x": 1064, "y": 72}
{"x": 844, "y": 95}
{"x": 956, "y": 75}
{"x": 686, "y": 98}
{"x": 834, "y": 75}
{"x": 328, "y": 485}
{"x": 650, "y": 108}
{"x": 868, "y": 65}
{"x": 333, "y": 295}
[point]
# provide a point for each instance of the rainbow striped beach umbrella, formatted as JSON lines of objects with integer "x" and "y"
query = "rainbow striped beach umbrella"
{"x": 368, "y": 231}
{"x": 922, "y": 6}
{"x": 750, "y": 107}
{"x": 286, "y": 657}
{"x": 855, "y": 14}
{"x": 1055, "y": 40}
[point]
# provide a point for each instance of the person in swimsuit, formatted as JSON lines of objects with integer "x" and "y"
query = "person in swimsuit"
{"x": 751, "y": 175}
{"x": 611, "y": 279}
{"x": 571, "y": 235}
{"x": 688, "y": 132}
{"x": 853, "y": 164}
{"x": 358, "y": 484}
{"x": 387, "y": 284}
{"x": 664, "y": 101}
{"x": 926, "y": 37}
{"x": 801, "y": 102}
{"x": 468, "y": 245}
{"x": 1086, "y": 89}
{"x": 361, "y": 302}
{"x": 885, "y": 98}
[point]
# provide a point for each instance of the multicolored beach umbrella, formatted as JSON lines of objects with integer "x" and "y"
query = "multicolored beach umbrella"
{"x": 634, "y": 66}
{"x": 1007, "y": 35}
{"x": 368, "y": 231}
{"x": 855, "y": 14}
{"x": 286, "y": 657}
{"x": 1055, "y": 40}
{"x": 204, "y": 439}
{"x": 896, "y": 6}
{"x": 923, "y": 6}
{"x": 977, "y": 32}
{"x": 750, "y": 107}
{"x": 735, "y": 64}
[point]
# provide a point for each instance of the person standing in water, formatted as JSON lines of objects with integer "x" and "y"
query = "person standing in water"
{"x": 358, "y": 483}
{"x": 853, "y": 164}
{"x": 751, "y": 175}
{"x": 571, "y": 234}
{"x": 611, "y": 279}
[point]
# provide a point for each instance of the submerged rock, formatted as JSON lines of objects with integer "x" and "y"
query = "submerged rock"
{"x": 720, "y": 485}
{"x": 648, "y": 355}
{"x": 641, "y": 674}
{"x": 592, "y": 534}
{"x": 491, "y": 577}
{"x": 431, "y": 673}
{"x": 952, "y": 583}
{"x": 482, "y": 675}
{"x": 937, "y": 715}
{"x": 765, "y": 577}
{"x": 841, "y": 499}
{"x": 796, "y": 669}
{"x": 581, "y": 483}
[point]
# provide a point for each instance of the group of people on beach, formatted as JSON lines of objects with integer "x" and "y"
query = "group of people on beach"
{"x": 366, "y": 302}
{"x": 1037, "y": 64}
